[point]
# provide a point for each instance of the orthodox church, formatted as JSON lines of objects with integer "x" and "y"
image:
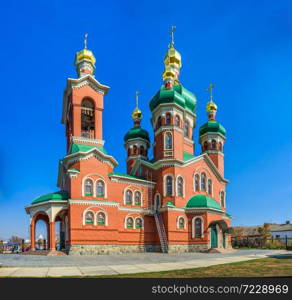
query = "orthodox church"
{"x": 173, "y": 202}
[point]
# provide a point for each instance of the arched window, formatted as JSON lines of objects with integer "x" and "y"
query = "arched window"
{"x": 87, "y": 118}
{"x": 198, "y": 227}
{"x": 197, "y": 182}
{"x": 138, "y": 223}
{"x": 168, "y": 119}
{"x": 100, "y": 189}
{"x": 142, "y": 150}
{"x": 180, "y": 186}
{"x": 100, "y": 218}
{"x": 129, "y": 196}
{"x": 159, "y": 122}
{"x": 210, "y": 186}
{"x": 203, "y": 182}
{"x": 137, "y": 198}
{"x": 205, "y": 146}
{"x": 177, "y": 121}
{"x": 129, "y": 222}
{"x": 222, "y": 198}
{"x": 129, "y": 151}
{"x": 135, "y": 150}
{"x": 169, "y": 183}
{"x": 168, "y": 140}
{"x": 186, "y": 129}
{"x": 88, "y": 188}
{"x": 157, "y": 203}
{"x": 181, "y": 222}
{"x": 220, "y": 146}
{"x": 89, "y": 217}
{"x": 213, "y": 144}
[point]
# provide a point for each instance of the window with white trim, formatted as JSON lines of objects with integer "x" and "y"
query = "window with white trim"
{"x": 89, "y": 218}
{"x": 129, "y": 197}
{"x": 222, "y": 198}
{"x": 137, "y": 198}
{"x": 101, "y": 218}
{"x": 180, "y": 186}
{"x": 168, "y": 185}
{"x": 168, "y": 141}
{"x": 181, "y": 222}
{"x": 100, "y": 188}
{"x": 138, "y": 223}
{"x": 88, "y": 187}
{"x": 197, "y": 182}
{"x": 209, "y": 186}
{"x": 203, "y": 182}
{"x": 129, "y": 222}
{"x": 198, "y": 227}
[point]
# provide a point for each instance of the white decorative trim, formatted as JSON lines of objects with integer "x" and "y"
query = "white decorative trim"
{"x": 132, "y": 181}
{"x": 185, "y": 222}
{"x": 88, "y": 210}
{"x": 93, "y": 202}
{"x": 176, "y": 185}
{"x": 105, "y": 216}
{"x": 142, "y": 219}
{"x": 126, "y": 189}
{"x": 87, "y": 140}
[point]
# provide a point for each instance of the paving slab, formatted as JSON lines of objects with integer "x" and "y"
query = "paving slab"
{"x": 64, "y": 271}
{"x": 100, "y": 270}
{"x": 125, "y": 269}
{"x": 31, "y": 272}
{"x": 4, "y": 272}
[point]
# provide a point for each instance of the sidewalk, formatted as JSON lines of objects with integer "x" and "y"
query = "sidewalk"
{"x": 119, "y": 269}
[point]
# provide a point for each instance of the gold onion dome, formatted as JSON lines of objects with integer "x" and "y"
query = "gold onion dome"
{"x": 137, "y": 114}
{"x": 211, "y": 106}
{"x": 85, "y": 54}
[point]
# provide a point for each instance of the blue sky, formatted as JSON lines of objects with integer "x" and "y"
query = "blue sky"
{"x": 243, "y": 47}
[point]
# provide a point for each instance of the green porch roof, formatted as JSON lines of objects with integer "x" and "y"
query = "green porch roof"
{"x": 56, "y": 196}
{"x": 178, "y": 94}
{"x": 202, "y": 201}
{"x": 84, "y": 148}
{"x": 187, "y": 156}
{"x": 212, "y": 126}
{"x": 137, "y": 133}
{"x": 125, "y": 175}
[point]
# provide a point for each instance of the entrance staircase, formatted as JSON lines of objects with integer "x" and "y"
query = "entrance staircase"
{"x": 161, "y": 232}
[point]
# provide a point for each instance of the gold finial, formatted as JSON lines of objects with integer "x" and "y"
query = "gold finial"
{"x": 171, "y": 45}
{"x": 137, "y": 98}
{"x": 210, "y": 88}
{"x": 85, "y": 40}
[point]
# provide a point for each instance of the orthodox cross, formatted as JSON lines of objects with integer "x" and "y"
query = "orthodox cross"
{"x": 85, "y": 40}
{"x": 210, "y": 88}
{"x": 137, "y": 97}
{"x": 172, "y": 35}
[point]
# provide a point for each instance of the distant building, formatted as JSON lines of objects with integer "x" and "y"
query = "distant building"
{"x": 281, "y": 230}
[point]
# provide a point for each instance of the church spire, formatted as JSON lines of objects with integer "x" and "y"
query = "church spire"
{"x": 172, "y": 63}
{"x": 85, "y": 60}
{"x": 137, "y": 114}
{"x": 211, "y": 106}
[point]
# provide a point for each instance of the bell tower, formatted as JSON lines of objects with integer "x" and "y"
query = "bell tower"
{"x": 83, "y": 102}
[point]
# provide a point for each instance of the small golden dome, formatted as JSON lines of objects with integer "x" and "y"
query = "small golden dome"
{"x": 137, "y": 114}
{"x": 211, "y": 106}
{"x": 172, "y": 56}
{"x": 85, "y": 54}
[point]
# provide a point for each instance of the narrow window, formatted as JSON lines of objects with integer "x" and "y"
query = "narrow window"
{"x": 169, "y": 182}
{"x": 100, "y": 189}
{"x": 159, "y": 122}
{"x": 89, "y": 218}
{"x": 129, "y": 151}
{"x": 203, "y": 182}
{"x": 129, "y": 196}
{"x": 205, "y": 147}
{"x": 177, "y": 121}
{"x": 168, "y": 119}
{"x": 181, "y": 222}
{"x": 129, "y": 222}
{"x": 135, "y": 150}
{"x": 137, "y": 198}
{"x": 213, "y": 143}
{"x": 88, "y": 187}
{"x": 100, "y": 218}
{"x": 210, "y": 186}
{"x": 197, "y": 182}
{"x": 222, "y": 196}
{"x": 142, "y": 150}
{"x": 220, "y": 146}
{"x": 168, "y": 141}
{"x": 138, "y": 223}
{"x": 180, "y": 187}
{"x": 186, "y": 129}
{"x": 87, "y": 119}
{"x": 198, "y": 227}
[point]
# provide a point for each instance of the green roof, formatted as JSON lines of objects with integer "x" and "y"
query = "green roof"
{"x": 228, "y": 216}
{"x": 212, "y": 126}
{"x": 169, "y": 203}
{"x": 202, "y": 201}
{"x": 125, "y": 175}
{"x": 74, "y": 170}
{"x": 137, "y": 133}
{"x": 187, "y": 156}
{"x": 57, "y": 196}
{"x": 178, "y": 94}
{"x": 84, "y": 148}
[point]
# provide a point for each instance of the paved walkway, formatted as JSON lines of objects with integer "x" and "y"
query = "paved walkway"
{"x": 44, "y": 266}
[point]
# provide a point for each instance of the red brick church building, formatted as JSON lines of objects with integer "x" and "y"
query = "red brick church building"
{"x": 173, "y": 202}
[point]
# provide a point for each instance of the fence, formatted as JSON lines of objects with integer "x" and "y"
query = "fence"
{"x": 262, "y": 242}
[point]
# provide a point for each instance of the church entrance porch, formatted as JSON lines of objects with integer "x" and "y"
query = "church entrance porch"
{"x": 214, "y": 236}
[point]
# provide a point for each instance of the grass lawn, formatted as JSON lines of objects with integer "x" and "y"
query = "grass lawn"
{"x": 265, "y": 267}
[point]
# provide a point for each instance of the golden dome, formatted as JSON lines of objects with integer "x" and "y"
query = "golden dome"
{"x": 172, "y": 57}
{"x": 137, "y": 114}
{"x": 211, "y": 106}
{"x": 85, "y": 54}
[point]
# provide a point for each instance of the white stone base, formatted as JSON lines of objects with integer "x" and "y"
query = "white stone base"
{"x": 187, "y": 248}
{"x": 110, "y": 249}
